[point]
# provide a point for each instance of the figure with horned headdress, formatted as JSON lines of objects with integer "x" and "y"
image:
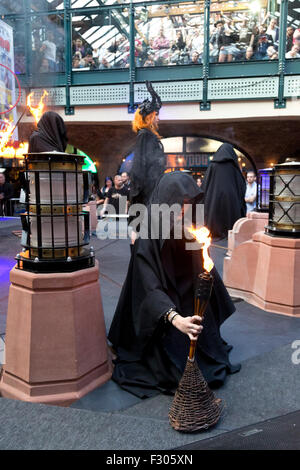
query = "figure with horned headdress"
{"x": 149, "y": 160}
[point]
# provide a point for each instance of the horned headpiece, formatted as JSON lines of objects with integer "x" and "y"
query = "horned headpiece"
{"x": 147, "y": 106}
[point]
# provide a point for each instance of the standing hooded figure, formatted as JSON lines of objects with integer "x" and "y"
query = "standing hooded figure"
{"x": 51, "y": 134}
{"x": 224, "y": 187}
{"x": 149, "y": 159}
{"x": 152, "y": 351}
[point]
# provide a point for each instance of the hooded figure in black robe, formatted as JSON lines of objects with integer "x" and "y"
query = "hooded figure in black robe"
{"x": 224, "y": 187}
{"x": 51, "y": 134}
{"x": 152, "y": 352}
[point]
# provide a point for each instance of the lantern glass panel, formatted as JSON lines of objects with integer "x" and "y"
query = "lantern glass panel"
{"x": 287, "y": 185}
{"x": 285, "y": 213}
{"x": 58, "y": 231}
{"x": 57, "y": 188}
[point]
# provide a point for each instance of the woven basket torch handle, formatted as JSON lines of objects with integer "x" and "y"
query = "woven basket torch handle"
{"x": 200, "y": 304}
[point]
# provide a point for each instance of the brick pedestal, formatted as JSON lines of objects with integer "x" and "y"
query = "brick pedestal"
{"x": 265, "y": 271}
{"x": 244, "y": 228}
{"x": 56, "y": 349}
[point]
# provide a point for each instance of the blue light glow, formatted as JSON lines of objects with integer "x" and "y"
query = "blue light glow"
{"x": 6, "y": 265}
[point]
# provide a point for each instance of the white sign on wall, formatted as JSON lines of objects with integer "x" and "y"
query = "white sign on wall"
{"x": 7, "y": 79}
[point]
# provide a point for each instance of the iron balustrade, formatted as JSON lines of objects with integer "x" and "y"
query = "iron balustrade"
{"x": 127, "y": 19}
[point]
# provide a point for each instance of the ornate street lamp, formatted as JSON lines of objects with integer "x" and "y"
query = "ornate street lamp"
{"x": 284, "y": 207}
{"x": 56, "y": 349}
{"x": 273, "y": 255}
{"x": 55, "y": 226}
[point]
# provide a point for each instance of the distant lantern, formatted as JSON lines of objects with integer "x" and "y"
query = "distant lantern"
{"x": 55, "y": 226}
{"x": 284, "y": 207}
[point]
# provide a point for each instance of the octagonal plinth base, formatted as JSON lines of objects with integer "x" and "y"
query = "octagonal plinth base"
{"x": 265, "y": 271}
{"x": 56, "y": 349}
{"x": 245, "y": 227}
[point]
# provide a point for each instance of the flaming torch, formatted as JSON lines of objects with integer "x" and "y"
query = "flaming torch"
{"x": 195, "y": 406}
{"x": 5, "y": 135}
{"x": 38, "y": 110}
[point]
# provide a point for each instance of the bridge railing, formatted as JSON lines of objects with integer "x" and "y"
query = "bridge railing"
{"x": 87, "y": 52}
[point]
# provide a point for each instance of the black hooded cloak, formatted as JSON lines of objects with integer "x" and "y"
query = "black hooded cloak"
{"x": 50, "y": 135}
{"x": 224, "y": 187}
{"x": 148, "y": 165}
{"x": 152, "y": 353}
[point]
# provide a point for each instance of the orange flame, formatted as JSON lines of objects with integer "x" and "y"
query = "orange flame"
{"x": 5, "y": 134}
{"x": 202, "y": 236}
{"x": 38, "y": 110}
{"x": 9, "y": 151}
{"x": 12, "y": 152}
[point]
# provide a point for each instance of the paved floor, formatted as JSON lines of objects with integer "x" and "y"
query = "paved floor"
{"x": 267, "y": 385}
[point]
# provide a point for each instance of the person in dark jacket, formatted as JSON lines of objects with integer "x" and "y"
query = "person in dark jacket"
{"x": 150, "y": 341}
{"x": 224, "y": 187}
{"x": 6, "y": 193}
{"x": 51, "y": 134}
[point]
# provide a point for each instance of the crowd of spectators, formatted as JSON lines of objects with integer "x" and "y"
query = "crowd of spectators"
{"x": 119, "y": 186}
{"x": 232, "y": 38}
{"x": 111, "y": 192}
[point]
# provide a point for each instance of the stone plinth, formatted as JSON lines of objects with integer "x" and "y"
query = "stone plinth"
{"x": 265, "y": 271}
{"x": 244, "y": 228}
{"x": 56, "y": 349}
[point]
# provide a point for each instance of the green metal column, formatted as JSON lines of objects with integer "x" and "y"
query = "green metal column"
{"x": 69, "y": 110}
{"x": 281, "y": 102}
{"x": 205, "y": 104}
{"x": 28, "y": 43}
{"x": 132, "y": 65}
{"x": 272, "y": 6}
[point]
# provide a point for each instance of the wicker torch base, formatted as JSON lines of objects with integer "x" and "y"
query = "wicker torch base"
{"x": 195, "y": 406}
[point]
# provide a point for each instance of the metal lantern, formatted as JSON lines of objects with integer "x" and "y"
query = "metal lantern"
{"x": 263, "y": 190}
{"x": 284, "y": 208}
{"x": 55, "y": 226}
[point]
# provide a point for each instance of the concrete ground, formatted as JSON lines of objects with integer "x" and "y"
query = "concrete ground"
{"x": 110, "y": 418}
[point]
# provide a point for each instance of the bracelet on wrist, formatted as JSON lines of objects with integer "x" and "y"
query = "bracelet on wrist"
{"x": 166, "y": 316}
{"x": 172, "y": 317}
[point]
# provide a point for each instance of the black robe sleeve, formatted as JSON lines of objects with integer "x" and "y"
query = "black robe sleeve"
{"x": 143, "y": 302}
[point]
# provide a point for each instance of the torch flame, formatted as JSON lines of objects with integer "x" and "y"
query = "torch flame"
{"x": 202, "y": 236}
{"x": 5, "y": 134}
{"x": 38, "y": 110}
{"x": 8, "y": 151}
{"x": 12, "y": 152}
